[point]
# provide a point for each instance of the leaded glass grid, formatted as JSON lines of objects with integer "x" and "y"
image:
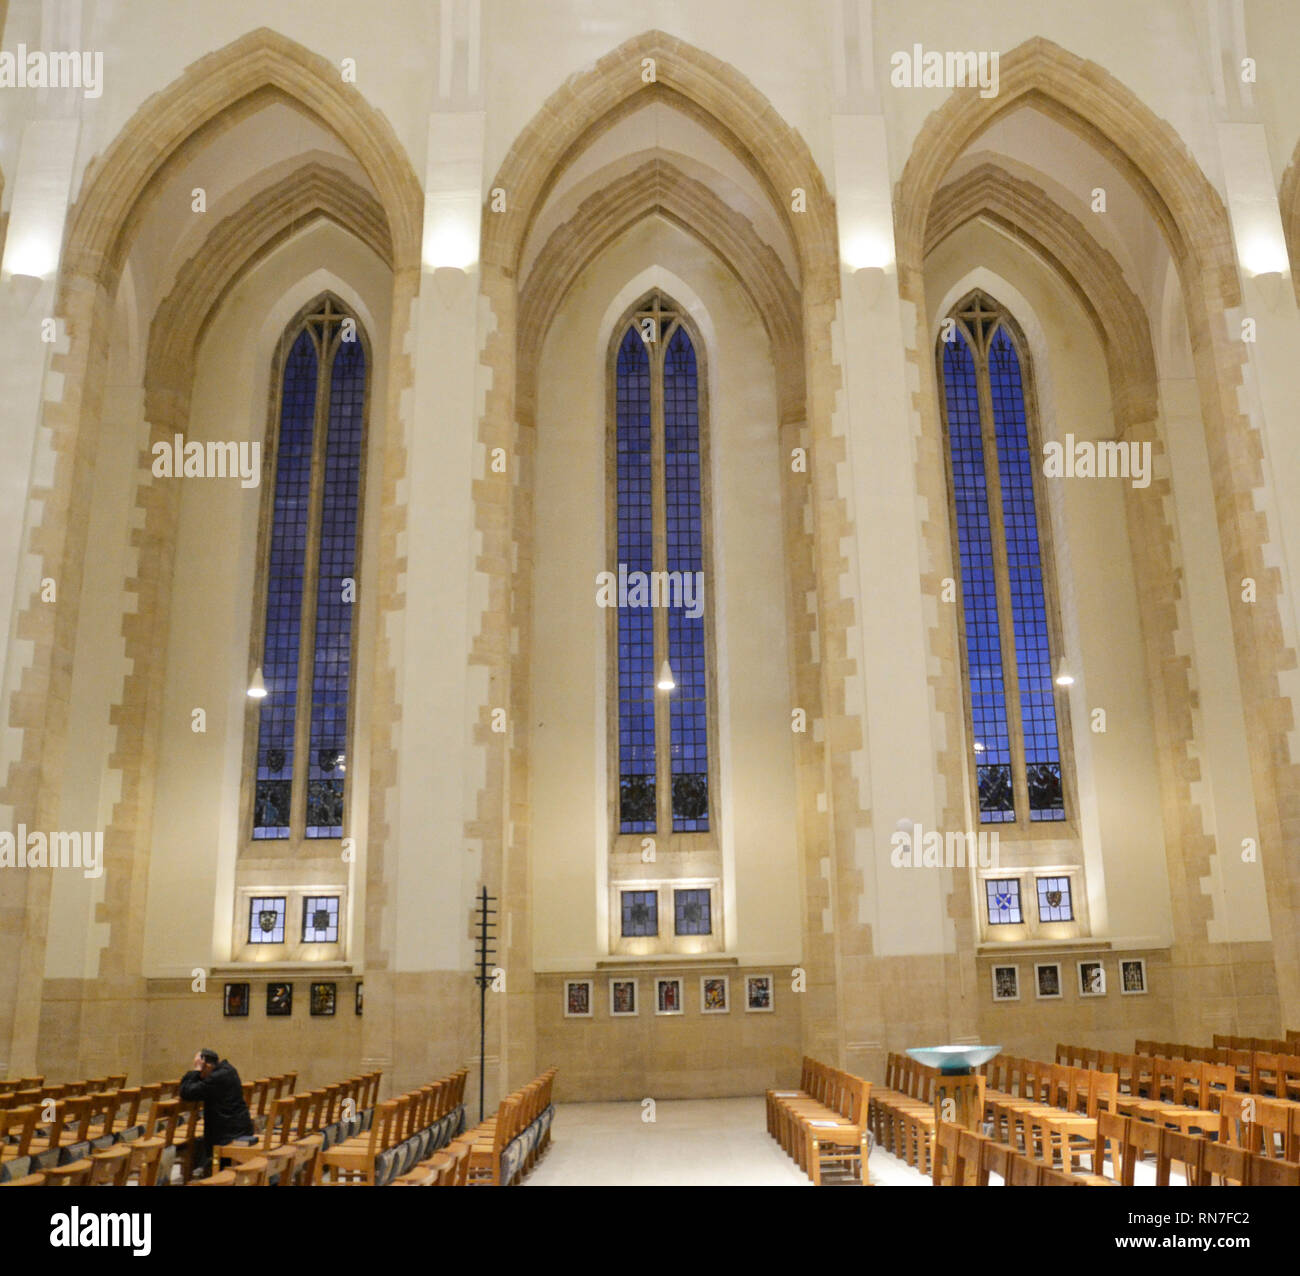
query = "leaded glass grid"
{"x": 984, "y": 672}
{"x": 320, "y": 919}
{"x": 1054, "y": 902}
{"x": 640, "y": 913}
{"x": 284, "y": 585}
{"x": 636, "y": 639}
{"x": 311, "y": 587}
{"x": 692, "y": 914}
{"x": 1003, "y": 895}
{"x": 1025, "y": 575}
{"x": 266, "y": 919}
{"x": 332, "y": 655}
{"x": 685, "y": 537}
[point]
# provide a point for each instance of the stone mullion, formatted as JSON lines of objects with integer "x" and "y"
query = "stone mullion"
{"x": 659, "y": 562}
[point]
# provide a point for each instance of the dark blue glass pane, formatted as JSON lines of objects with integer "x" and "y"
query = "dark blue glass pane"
{"x": 636, "y": 655}
{"x": 1025, "y": 573}
{"x": 692, "y": 914}
{"x": 332, "y": 656}
{"x": 640, "y": 913}
{"x": 689, "y": 705}
{"x": 275, "y": 748}
{"x": 978, "y": 585}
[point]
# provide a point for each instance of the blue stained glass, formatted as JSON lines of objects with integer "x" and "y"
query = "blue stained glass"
{"x": 640, "y": 913}
{"x": 1025, "y": 572}
{"x": 275, "y": 741}
{"x": 1003, "y": 901}
{"x": 692, "y": 912}
{"x": 979, "y": 585}
{"x": 635, "y": 535}
{"x": 332, "y": 653}
{"x": 686, "y": 646}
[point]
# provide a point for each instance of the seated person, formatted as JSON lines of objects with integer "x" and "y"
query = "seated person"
{"x": 215, "y": 1083}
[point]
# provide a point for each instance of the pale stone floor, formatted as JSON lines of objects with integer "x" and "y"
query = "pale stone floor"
{"x": 690, "y": 1143}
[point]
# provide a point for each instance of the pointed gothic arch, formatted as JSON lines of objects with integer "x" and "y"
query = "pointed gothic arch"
{"x": 1194, "y": 221}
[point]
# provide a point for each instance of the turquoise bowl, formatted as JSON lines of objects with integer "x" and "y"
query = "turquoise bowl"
{"x": 953, "y": 1061}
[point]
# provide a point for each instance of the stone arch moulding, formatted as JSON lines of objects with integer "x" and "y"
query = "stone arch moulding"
{"x": 1107, "y": 114}
{"x": 259, "y": 63}
{"x": 235, "y": 245}
{"x": 660, "y": 187}
{"x": 1091, "y": 273}
{"x": 215, "y": 91}
{"x": 1289, "y": 200}
{"x": 728, "y": 105}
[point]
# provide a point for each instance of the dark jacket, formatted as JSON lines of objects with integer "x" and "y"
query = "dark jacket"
{"x": 225, "y": 1114}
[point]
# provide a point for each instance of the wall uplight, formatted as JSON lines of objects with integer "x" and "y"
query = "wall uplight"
{"x": 1064, "y": 678}
{"x": 257, "y": 688}
{"x": 666, "y": 680}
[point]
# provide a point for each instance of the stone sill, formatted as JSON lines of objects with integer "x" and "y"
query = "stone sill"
{"x": 660, "y": 961}
{"x": 285, "y": 968}
{"x": 1081, "y": 943}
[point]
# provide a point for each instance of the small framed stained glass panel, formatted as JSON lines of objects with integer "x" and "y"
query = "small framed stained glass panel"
{"x": 692, "y": 912}
{"x": 1054, "y": 901}
{"x": 1092, "y": 979}
{"x": 640, "y": 910}
{"x": 1133, "y": 976}
{"x": 577, "y": 999}
{"x": 1003, "y": 895}
{"x": 758, "y": 994}
{"x": 623, "y": 998}
{"x": 235, "y": 1002}
{"x": 266, "y": 919}
{"x": 715, "y": 995}
{"x": 1006, "y": 983}
{"x": 279, "y": 1000}
{"x": 1047, "y": 980}
{"x": 668, "y": 996}
{"x": 323, "y": 998}
{"x": 320, "y": 919}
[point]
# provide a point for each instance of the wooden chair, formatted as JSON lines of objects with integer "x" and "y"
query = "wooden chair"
{"x": 225, "y": 1179}
{"x": 1187, "y": 1149}
{"x": 1143, "y": 1139}
{"x": 1112, "y": 1140}
{"x": 251, "y": 1173}
{"x": 1224, "y": 1163}
{"x": 74, "y": 1174}
{"x": 355, "y": 1159}
{"x": 947, "y": 1139}
{"x": 1025, "y": 1171}
{"x": 109, "y": 1168}
{"x": 1263, "y": 1171}
{"x": 995, "y": 1158}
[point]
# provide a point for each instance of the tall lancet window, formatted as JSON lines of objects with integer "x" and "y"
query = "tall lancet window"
{"x": 306, "y": 652}
{"x": 1007, "y": 638}
{"x": 663, "y": 734}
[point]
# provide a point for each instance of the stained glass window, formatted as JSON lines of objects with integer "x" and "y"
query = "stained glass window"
{"x": 1008, "y": 659}
{"x": 311, "y": 580}
{"x": 663, "y": 758}
{"x": 692, "y": 914}
{"x": 1054, "y": 903}
{"x": 640, "y": 913}
{"x": 1004, "y": 901}
{"x": 266, "y": 920}
{"x": 320, "y": 919}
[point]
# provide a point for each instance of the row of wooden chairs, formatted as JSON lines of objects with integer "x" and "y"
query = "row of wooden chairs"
{"x": 824, "y": 1122}
{"x": 1269, "y": 1072}
{"x": 505, "y": 1147}
{"x": 404, "y": 1131}
{"x": 22, "y": 1094}
{"x": 296, "y": 1131}
{"x": 61, "y": 1138}
{"x": 446, "y": 1168}
{"x": 968, "y": 1158}
{"x": 901, "y": 1113}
